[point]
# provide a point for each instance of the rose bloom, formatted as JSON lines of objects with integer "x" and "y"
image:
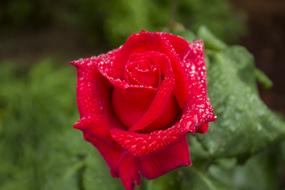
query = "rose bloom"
{"x": 138, "y": 102}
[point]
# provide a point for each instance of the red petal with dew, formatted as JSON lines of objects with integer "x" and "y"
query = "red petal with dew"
{"x": 96, "y": 117}
{"x": 128, "y": 171}
{"x": 159, "y": 163}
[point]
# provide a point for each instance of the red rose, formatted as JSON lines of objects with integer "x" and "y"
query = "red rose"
{"x": 138, "y": 102}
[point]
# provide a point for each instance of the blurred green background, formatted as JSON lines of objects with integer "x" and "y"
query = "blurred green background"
{"x": 39, "y": 150}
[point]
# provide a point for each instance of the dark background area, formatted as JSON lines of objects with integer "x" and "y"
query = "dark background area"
{"x": 266, "y": 40}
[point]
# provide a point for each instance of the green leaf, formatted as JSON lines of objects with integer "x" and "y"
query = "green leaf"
{"x": 263, "y": 79}
{"x": 211, "y": 41}
{"x": 190, "y": 36}
{"x": 245, "y": 124}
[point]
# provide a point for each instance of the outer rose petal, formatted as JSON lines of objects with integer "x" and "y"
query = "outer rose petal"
{"x": 159, "y": 163}
{"x": 195, "y": 66}
{"x": 128, "y": 170}
{"x": 143, "y": 144}
{"x": 95, "y": 111}
{"x": 204, "y": 128}
{"x": 110, "y": 152}
{"x": 193, "y": 62}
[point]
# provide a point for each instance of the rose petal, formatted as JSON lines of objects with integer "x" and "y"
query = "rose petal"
{"x": 163, "y": 97}
{"x": 181, "y": 80}
{"x": 104, "y": 63}
{"x": 93, "y": 126}
{"x": 112, "y": 64}
{"x": 193, "y": 62}
{"x": 96, "y": 117}
{"x": 92, "y": 89}
{"x": 157, "y": 106}
{"x": 131, "y": 104}
{"x": 93, "y": 94}
{"x": 128, "y": 171}
{"x": 139, "y": 144}
{"x": 204, "y": 128}
{"x": 110, "y": 152}
{"x": 167, "y": 117}
{"x": 159, "y": 41}
{"x": 159, "y": 163}
{"x": 141, "y": 69}
{"x": 195, "y": 66}
{"x": 180, "y": 45}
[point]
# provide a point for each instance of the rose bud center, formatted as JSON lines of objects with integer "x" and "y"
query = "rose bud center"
{"x": 142, "y": 71}
{"x": 133, "y": 106}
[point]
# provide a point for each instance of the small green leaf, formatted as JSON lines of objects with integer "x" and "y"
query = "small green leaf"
{"x": 211, "y": 42}
{"x": 263, "y": 79}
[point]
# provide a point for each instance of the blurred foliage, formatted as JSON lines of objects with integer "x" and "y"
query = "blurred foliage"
{"x": 38, "y": 148}
{"x": 113, "y": 20}
{"x": 241, "y": 113}
{"x": 242, "y": 150}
